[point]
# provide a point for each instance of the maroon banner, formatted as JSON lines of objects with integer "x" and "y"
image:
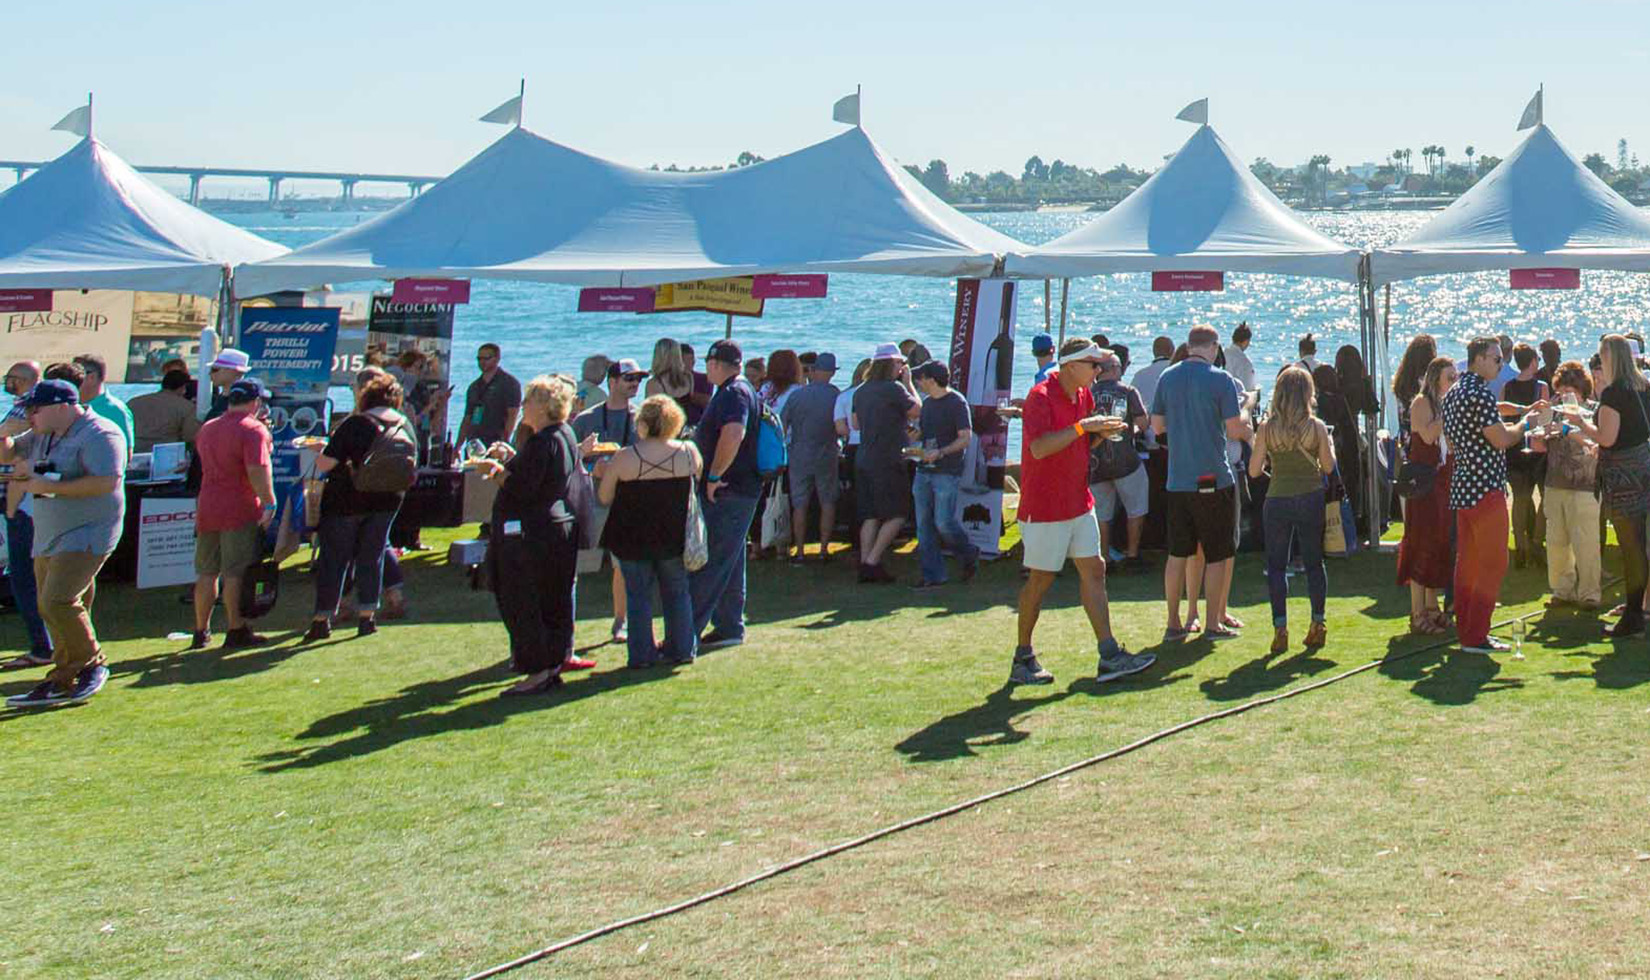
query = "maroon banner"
{"x": 431, "y": 291}
{"x": 1546, "y": 278}
{"x": 1188, "y": 282}
{"x": 789, "y": 287}
{"x": 25, "y": 301}
{"x": 616, "y": 300}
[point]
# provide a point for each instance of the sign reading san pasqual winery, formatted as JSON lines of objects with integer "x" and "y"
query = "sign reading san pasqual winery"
{"x": 95, "y": 321}
{"x": 291, "y": 347}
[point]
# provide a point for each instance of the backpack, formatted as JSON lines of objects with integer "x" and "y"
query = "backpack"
{"x": 391, "y": 462}
{"x": 772, "y": 456}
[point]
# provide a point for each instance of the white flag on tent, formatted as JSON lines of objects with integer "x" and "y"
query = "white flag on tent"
{"x": 846, "y": 110}
{"x": 508, "y": 114}
{"x": 78, "y": 121}
{"x": 1532, "y": 113}
{"x": 1197, "y": 112}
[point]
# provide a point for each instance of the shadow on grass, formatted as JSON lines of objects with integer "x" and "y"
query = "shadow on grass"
{"x": 1443, "y": 674}
{"x": 1263, "y": 674}
{"x": 989, "y": 723}
{"x": 416, "y": 712}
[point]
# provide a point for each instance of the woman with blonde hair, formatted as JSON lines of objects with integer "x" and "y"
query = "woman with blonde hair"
{"x": 1426, "y": 560}
{"x": 1297, "y": 447}
{"x": 669, "y": 375}
{"x": 1622, "y": 432}
{"x": 533, "y": 554}
{"x": 648, "y": 484}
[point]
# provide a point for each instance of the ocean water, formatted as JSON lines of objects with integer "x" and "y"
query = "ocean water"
{"x": 539, "y": 329}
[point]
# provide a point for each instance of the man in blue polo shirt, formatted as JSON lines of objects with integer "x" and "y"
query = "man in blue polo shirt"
{"x": 726, "y": 436}
{"x": 1196, "y": 405}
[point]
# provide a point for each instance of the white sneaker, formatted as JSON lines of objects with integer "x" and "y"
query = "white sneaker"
{"x": 1491, "y": 645}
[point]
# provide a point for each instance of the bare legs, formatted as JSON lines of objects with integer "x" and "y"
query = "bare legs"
{"x": 1091, "y": 574}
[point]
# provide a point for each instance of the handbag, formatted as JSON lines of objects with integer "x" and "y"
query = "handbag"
{"x": 260, "y": 589}
{"x": 1414, "y": 479}
{"x": 695, "y": 546}
{"x": 581, "y": 499}
{"x": 1624, "y": 476}
{"x": 776, "y": 517}
{"x": 1340, "y": 535}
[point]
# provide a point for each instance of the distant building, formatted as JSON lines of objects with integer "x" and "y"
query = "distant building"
{"x": 1364, "y": 171}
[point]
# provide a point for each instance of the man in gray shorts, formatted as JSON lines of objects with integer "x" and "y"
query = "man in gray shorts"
{"x": 809, "y": 417}
{"x": 1129, "y": 484}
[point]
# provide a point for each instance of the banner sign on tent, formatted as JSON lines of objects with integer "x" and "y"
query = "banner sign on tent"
{"x": 166, "y": 326}
{"x": 1188, "y": 282}
{"x": 731, "y": 295}
{"x": 25, "y": 301}
{"x": 91, "y": 321}
{"x": 1546, "y": 278}
{"x": 599, "y": 300}
{"x": 807, "y": 286}
{"x": 448, "y": 291}
{"x": 427, "y": 328}
{"x": 291, "y": 347}
{"x": 982, "y": 364}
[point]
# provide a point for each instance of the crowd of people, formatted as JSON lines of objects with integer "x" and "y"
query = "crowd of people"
{"x": 663, "y": 473}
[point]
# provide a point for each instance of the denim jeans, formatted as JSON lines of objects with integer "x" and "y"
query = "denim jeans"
{"x": 718, "y": 589}
{"x": 1298, "y": 518}
{"x": 20, "y": 567}
{"x": 671, "y": 577}
{"x": 345, "y": 539}
{"x": 937, "y": 524}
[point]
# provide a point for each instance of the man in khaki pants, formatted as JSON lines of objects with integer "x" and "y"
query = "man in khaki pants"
{"x": 72, "y": 462}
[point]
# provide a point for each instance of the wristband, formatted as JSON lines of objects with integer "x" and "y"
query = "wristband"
{"x": 713, "y": 478}
{"x": 1077, "y": 427}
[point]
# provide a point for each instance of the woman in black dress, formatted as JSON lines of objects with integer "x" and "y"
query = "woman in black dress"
{"x": 534, "y": 550}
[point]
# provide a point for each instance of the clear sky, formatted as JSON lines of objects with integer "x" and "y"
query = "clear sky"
{"x": 377, "y": 87}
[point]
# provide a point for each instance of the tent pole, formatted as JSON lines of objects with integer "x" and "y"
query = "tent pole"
{"x": 1048, "y": 304}
{"x": 1375, "y": 361}
{"x": 727, "y": 332}
{"x": 1065, "y": 291}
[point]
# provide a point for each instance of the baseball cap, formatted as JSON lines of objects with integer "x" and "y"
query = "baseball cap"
{"x": 624, "y": 366}
{"x": 246, "y": 390}
{"x": 232, "y": 359}
{"x": 1090, "y": 353}
{"x": 1042, "y": 344}
{"x": 51, "y": 391}
{"x": 887, "y": 352}
{"x": 725, "y": 351}
{"x": 932, "y": 370}
{"x": 825, "y": 362}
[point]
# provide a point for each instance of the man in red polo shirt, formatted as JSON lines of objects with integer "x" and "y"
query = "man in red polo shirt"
{"x": 1057, "y": 511}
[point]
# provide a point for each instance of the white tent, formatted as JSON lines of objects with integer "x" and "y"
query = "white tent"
{"x": 1203, "y": 211}
{"x": 530, "y": 209}
{"x": 1538, "y": 208}
{"x": 88, "y": 221}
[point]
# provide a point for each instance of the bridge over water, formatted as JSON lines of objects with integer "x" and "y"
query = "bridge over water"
{"x": 414, "y": 183}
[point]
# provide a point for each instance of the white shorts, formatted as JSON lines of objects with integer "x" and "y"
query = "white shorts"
{"x": 1134, "y": 490}
{"x": 1049, "y": 543}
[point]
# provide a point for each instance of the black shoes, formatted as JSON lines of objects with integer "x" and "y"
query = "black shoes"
{"x": 241, "y": 638}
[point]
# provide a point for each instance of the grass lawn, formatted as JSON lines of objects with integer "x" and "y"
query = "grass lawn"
{"x": 371, "y": 808}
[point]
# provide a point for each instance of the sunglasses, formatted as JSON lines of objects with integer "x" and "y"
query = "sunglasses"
{"x": 634, "y": 378}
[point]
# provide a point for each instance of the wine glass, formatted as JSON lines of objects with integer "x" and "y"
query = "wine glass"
{"x": 1118, "y": 408}
{"x": 1518, "y": 629}
{"x": 473, "y": 449}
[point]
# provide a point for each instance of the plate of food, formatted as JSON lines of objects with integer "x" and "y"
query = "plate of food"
{"x": 604, "y": 449}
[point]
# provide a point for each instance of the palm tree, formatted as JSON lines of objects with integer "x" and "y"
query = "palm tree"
{"x": 1406, "y": 154}
{"x": 1471, "y": 152}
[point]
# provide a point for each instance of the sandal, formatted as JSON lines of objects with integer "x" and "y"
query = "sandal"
{"x": 1231, "y": 622}
{"x": 1424, "y": 625}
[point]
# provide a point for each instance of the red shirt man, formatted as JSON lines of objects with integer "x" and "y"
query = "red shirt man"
{"x": 236, "y": 503}
{"x": 1057, "y": 511}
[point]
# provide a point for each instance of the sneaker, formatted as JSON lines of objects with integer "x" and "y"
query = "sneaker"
{"x": 42, "y": 695}
{"x": 87, "y": 683}
{"x": 366, "y": 626}
{"x": 200, "y": 639}
{"x": 1491, "y": 645}
{"x": 1027, "y": 670}
{"x": 716, "y": 640}
{"x": 577, "y": 663}
{"x": 319, "y": 629}
{"x": 1117, "y": 662}
{"x": 241, "y": 638}
{"x": 34, "y": 658}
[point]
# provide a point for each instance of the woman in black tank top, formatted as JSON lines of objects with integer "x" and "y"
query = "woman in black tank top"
{"x": 649, "y": 487}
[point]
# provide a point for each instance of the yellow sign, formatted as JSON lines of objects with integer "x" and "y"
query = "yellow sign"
{"x": 731, "y": 295}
